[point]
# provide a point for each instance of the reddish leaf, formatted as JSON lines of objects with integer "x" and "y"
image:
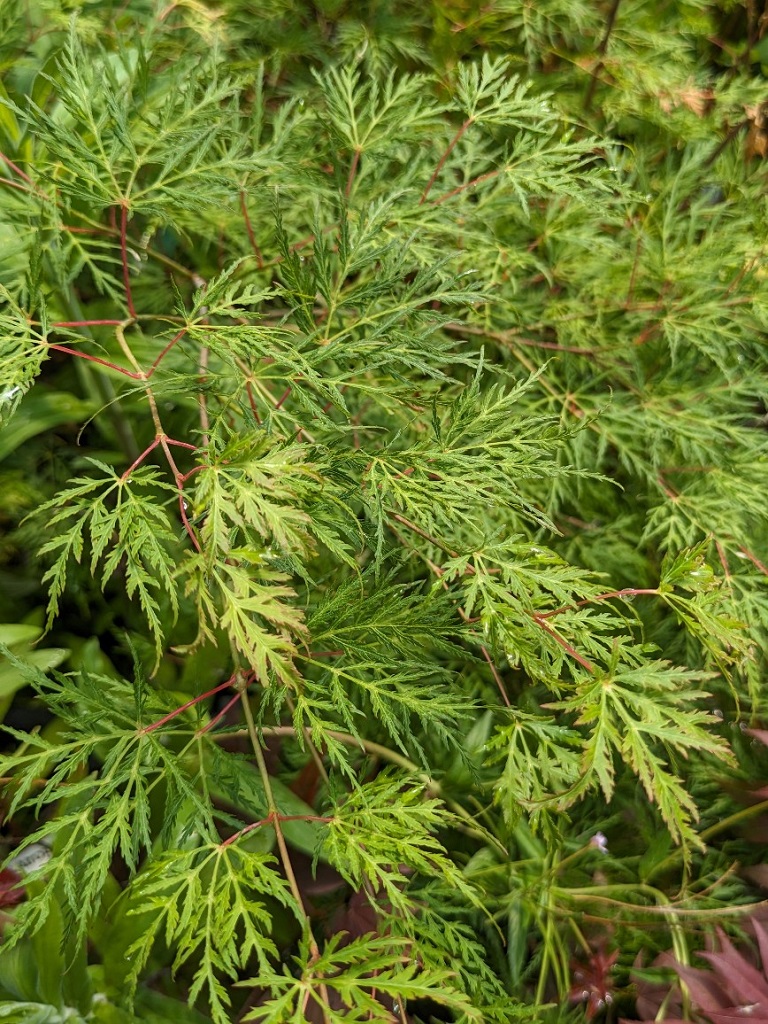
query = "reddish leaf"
{"x": 757, "y": 874}
{"x": 652, "y": 1020}
{"x": 733, "y": 990}
{"x": 357, "y": 918}
{"x": 705, "y": 989}
{"x": 11, "y": 888}
{"x": 592, "y": 982}
{"x": 737, "y": 1015}
{"x": 744, "y": 983}
{"x": 651, "y": 995}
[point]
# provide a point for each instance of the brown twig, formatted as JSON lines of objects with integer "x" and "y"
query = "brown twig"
{"x": 444, "y": 157}
{"x": 249, "y": 229}
{"x": 754, "y": 560}
{"x": 568, "y": 648}
{"x": 166, "y": 350}
{"x": 87, "y": 323}
{"x": 497, "y": 677}
{"x": 270, "y": 820}
{"x": 601, "y": 52}
{"x": 95, "y": 359}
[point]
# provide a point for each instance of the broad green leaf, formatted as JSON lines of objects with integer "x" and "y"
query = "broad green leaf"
{"x": 42, "y": 410}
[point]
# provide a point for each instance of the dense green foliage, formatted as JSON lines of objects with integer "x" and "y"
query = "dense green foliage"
{"x": 384, "y": 521}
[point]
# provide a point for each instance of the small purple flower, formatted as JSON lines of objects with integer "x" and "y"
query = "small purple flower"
{"x": 599, "y": 842}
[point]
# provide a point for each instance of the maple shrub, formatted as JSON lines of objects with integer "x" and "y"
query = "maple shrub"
{"x": 384, "y": 505}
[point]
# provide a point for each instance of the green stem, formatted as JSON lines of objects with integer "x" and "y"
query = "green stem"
{"x": 282, "y": 846}
{"x": 720, "y": 826}
{"x": 469, "y": 826}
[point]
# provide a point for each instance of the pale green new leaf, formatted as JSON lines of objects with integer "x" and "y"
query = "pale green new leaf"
{"x": 120, "y": 522}
{"x": 22, "y": 353}
{"x": 239, "y": 592}
{"x": 212, "y": 905}
{"x": 359, "y": 976}
{"x": 541, "y": 762}
{"x": 646, "y": 712}
{"x": 383, "y": 832}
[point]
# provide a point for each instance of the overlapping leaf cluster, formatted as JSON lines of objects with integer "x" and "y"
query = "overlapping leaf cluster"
{"x": 398, "y": 381}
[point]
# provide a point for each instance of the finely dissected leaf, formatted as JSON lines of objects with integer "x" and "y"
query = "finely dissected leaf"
{"x": 123, "y": 526}
{"x": 542, "y": 762}
{"x": 360, "y": 976}
{"x": 397, "y": 427}
{"x": 384, "y": 831}
{"x": 241, "y": 594}
{"x": 377, "y": 669}
{"x": 208, "y": 903}
{"x": 365, "y": 114}
{"x": 479, "y": 456}
{"x": 366, "y": 615}
{"x": 109, "y": 810}
{"x": 443, "y": 943}
{"x": 104, "y": 812}
{"x": 250, "y": 490}
{"x": 486, "y": 91}
{"x": 21, "y": 355}
{"x": 139, "y": 130}
{"x": 646, "y": 713}
{"x": 393, "y": 692}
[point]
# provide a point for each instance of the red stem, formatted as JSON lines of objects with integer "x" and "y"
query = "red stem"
{"x": 564, "y": 644}
{"x": 252, "y": 401}
{"x": 95, "y": 359}
{"x": 270, "y": 819}
{"x": 179, "y": 480}
{"x": 723, "y": 559}
{"x": 469, "y": 184}
{"x": 159, "y": 440}
{"x": 444, "y": 157}
{"x": 17, "y": 169}
{"x": 84, "y": 231}
{"x": 646, "y": 334}
{"x": 165, "y": 351}
{"x": 195, "y": 469}
{"x": 627, "y": 592}
{"x": 124, "y": 257}
{"x": 754, "y": 560}
{"x": 632, "y": 276}
{"x": 14, "y": 184}
{"x": 283, "y": 397}
{"x": 215, "y": 721}
{"x": 496, "y": 676}
{"x": 251, "y": 235}
{"x": 187, "y": 525}
{"x": 140, "y": 459}
{"x": 553, "y": 345}
{"x": 189, "y": 704}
